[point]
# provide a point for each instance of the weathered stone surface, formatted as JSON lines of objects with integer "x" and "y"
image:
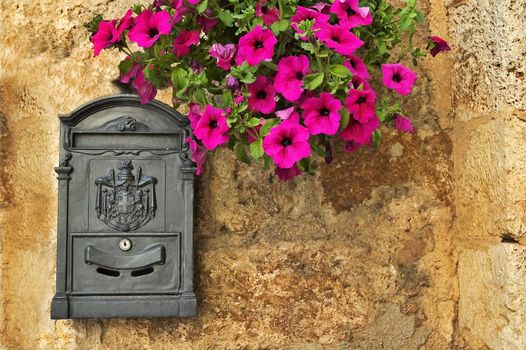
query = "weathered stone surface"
{"x": 492, "y": 296}
{"x": 360, "y": 256}
{"x": 489, "y": 40}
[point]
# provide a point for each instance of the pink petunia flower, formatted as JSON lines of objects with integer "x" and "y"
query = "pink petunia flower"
{"x": 149, "y": 27}
{"x": 184, "y": 40}
{"x": 439, "y": 45}
{"x": 144, "y": 88}
{"x": 124, "y": 23}
{"x": 195, "y": 111}
{"x": 350, "y": 15}
{"x": 403, "y": 124}
{"x": 338, "y": 38}
{"x": 181, "y": 9}
{"x": 303, "y": 14}
{"x": 106, "y": 35}
{"x": 360, "y": 103}
{"x": 288, "y": 173}
{"x": 256, "y": 46}
{"x": 287, "y": 143}
{"x": 358, "y": 81}
{"x": 269, "y": 15}
{"x": 357, "y": 66}
{"x": 212, "y": 128}
{"x": 322, "y": 114}
{"x": 262, "y": 96}
{"x": 286, "y": 114}
{"x": 198, "y": 154}
{"x": 398, "y": 77}
{"x": 358, "y": 133}
{"x": 132, "y": 73}
{"x": 223, "y": 54}
{"x": 206, "y": 20}
{"x": 289, "y": 79}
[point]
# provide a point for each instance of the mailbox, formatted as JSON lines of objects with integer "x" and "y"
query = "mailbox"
{"x": 125, "y": 212}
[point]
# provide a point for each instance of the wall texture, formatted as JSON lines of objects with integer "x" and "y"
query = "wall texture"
{"x": 363, "y": 255}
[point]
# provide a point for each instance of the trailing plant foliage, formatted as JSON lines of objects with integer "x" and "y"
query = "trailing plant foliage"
{"x": 273, "y": 80}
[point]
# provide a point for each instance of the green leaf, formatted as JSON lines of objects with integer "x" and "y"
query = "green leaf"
{"x": 308, "y": 47}
{"x": 226, "y": 17}
{"x": 312, "y": 81}
{"x": 227, "y": 98}
{"x": 125, "y": 66}
{"x": 241, "y": 153}
{"x": 344, "y": 119}
{"x": 256, "y": 149}
{"x": 340, "y": 71}
{"x": 279, "y": 26}
{"x": 252, "y": 122}
{"x": 200, "y": 96}
{"x": 269, "y": 124}
{"x": 249, "y": 78}
{"x": 377, "y": 138}
{"x": 179, "y": 78}
{"x": 202, "y": 6}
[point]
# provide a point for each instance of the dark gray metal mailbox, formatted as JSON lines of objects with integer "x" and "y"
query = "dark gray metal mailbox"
{"x": 125, "y": 220}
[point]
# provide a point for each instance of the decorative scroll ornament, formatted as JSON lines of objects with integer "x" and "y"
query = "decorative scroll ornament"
{"x": 127, "y": 202}
{"x": 127, "y": 124}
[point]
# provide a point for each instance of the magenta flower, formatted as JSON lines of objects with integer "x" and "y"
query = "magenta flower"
{"x": 357, "y": 133}
{"x": 269, "y": 15}
{"x": 357, "y": 67}
{"x": 403, "y": 124}
{"x": 350, "y": 15}
{"x": 287, "y": 143}
{"x": 180, "y": 10}
{"x": 206, "y": 21}
{"x": 144, "y": 88}
{"x": 212, "y": 128}
{"x": 358, "y": 81}
{"x": 289, "y": 79}
{"x": 132, "y": 73}
{"x": 438, "y": 45}
{"x": 195, "y": 111}
{"x": 256, "y": 46}
{"x": 338, "y": 38}
{"x": 149, "y": 27}
{"x": 398, "y": 77}
{"x": 287, "y": 173}
{"x": 360, "y": 103}
{"x": 106, "y": 35}
{"x": 223, "y": 54}
{"x": 303, "y": 14}
{"x": 184, "y": 40}
{"x": 262, "y": 96}
{"x": 286, "y": 114}
{"x": 198, "y": 154}
{"x": 322, "y": 114}
{"x": 124, "y": 23}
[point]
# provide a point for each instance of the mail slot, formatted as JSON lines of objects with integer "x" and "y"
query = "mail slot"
{"x": 125, "y": 213}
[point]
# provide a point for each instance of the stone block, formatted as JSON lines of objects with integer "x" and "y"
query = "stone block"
{"x": 492, "y": 304}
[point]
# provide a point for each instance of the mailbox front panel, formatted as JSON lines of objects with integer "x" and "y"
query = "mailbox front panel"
{"x": 125, "y": 236}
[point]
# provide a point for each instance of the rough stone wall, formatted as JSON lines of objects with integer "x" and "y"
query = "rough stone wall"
{"x": 359, "y": 256}
{"x": 490, "y": 148}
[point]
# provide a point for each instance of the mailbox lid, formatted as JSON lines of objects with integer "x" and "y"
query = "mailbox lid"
{"x": 102, "y": 264}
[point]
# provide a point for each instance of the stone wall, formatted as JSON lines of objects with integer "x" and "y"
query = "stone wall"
{"x": 362, "y": 255}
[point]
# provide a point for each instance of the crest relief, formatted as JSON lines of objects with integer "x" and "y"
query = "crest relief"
{"x": 127, "y": 201}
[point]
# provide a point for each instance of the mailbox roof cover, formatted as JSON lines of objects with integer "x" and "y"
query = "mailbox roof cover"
{"x": 125, "y": 219}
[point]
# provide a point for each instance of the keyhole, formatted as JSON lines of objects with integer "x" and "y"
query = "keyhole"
{"x": 125, "y": 244}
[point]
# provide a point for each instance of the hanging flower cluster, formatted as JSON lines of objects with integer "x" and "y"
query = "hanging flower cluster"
{"x": 278, "y": 80}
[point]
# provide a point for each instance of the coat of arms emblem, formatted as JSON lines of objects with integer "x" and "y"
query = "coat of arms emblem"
{"x": 127, "y": 201}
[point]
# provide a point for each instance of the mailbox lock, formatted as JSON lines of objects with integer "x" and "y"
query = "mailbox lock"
{"x": 125, "y": 244}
